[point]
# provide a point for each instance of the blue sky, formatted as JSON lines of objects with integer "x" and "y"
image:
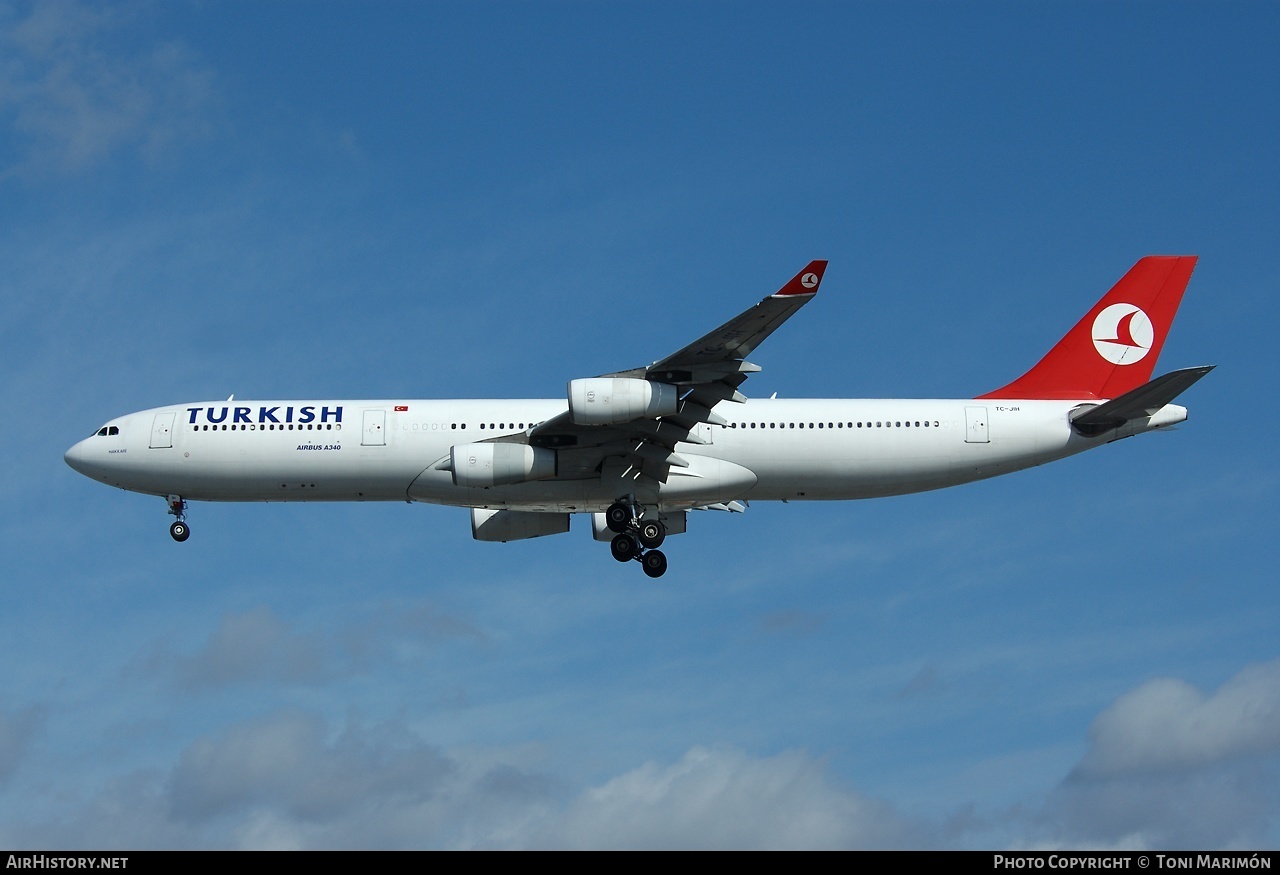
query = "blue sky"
{"x": 489, "y": 199}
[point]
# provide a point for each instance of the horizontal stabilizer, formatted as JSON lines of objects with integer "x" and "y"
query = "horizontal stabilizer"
{"x": 1139, "y": 403}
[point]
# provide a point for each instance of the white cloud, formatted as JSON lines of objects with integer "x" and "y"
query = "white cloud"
{"x": 70, "y": 97}
{"x": 1167, "y": 724}
{"x": 253, "y": 646}
{"x": 257, "y": 646}
{"x": 1169, "y": 766}
{"x": 295, "y": 780}
{"x": 288, "y": 765}
{"x": 290, "y": 781}
{"x": 718, "y": 798}
{"x": 16, "y": 731}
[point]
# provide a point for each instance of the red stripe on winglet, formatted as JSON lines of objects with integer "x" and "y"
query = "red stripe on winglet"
{"x": 806, "y": 282}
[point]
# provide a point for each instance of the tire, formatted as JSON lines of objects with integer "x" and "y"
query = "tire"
{"x": 655, "y": 563}
{"x": 624, "y": 547}
{"x": 179, "y": 531}
{"x": 652, "y": 533}
{"x": 617, "y": 517}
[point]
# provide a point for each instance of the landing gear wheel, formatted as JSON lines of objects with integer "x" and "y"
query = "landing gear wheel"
{"x": 179, "y": 531}
{"x": 652, "y": 533}
{"x": 655, "y": 563}
{"x": 624, "y": 547}
{"x": 617, "y": 517}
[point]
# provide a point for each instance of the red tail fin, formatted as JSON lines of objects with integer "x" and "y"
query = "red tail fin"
{"x": 1114, "y": 348}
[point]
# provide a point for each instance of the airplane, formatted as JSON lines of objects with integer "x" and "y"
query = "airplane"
{"x": 638, "y": 449}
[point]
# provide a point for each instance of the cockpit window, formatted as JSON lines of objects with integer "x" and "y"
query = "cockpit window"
{"x": 106, "y": 430}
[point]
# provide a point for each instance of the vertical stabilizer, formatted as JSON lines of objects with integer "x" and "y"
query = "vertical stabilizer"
{"x": 1114, "y": 348}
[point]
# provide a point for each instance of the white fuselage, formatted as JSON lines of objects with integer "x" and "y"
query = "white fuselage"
{"x": 808, "y": 449}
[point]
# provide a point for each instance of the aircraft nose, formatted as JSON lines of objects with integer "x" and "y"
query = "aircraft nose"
{"x": 76, "y": 458}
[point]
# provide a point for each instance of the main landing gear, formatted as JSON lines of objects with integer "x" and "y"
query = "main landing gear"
{"x": 636, "y": 538}
{"x": 179, "y": 531}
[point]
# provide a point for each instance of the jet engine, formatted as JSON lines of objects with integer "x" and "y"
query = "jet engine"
{"x": 609, "y": 400}
{"x": 500, "y": 464}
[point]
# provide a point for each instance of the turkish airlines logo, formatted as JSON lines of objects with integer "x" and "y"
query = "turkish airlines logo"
{"x": 1122, "y": 334}
{"x": 809, "y": 280}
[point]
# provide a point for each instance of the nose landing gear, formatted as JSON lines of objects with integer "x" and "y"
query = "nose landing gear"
{"x": 636, "y": 538}
{"x": 179, "y": 531}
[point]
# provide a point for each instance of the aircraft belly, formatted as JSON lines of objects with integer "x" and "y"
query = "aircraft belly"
{"x": 260, "y": 481}
{"x": 437, "y": 487}
{"x": 707, "y": 480}
{"x": 851, "y": 461}
{"x": 879, "y": 460}
{"x": 853, "y": 477}
{"x": 1023, "y": 434}
{"x": 841, "y": 465}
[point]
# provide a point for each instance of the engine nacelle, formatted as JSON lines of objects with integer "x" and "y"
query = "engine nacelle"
{"x": 607, "y": 400}
{"x": 500, "y": 464}
{"x": 515, "y": 525}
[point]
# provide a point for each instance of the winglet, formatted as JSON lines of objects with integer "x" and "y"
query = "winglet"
{"x": 806, "y": 282}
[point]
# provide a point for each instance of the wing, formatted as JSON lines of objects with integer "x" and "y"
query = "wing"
{"x": 687, "y": 384}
